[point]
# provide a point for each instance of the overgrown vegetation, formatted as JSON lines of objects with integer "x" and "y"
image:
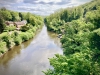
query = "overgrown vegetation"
{"x": 80, "y": 40}
{"x": 9, "y": 36}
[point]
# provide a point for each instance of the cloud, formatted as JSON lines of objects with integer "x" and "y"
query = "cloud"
{"x": 51, "y": 2}
{"x": 40, "y": 7}
{"x": 10, "y": 1}
{"x": 42, "y": 1}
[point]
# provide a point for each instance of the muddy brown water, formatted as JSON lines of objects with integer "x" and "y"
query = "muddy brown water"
{"x": 31, "y": 57}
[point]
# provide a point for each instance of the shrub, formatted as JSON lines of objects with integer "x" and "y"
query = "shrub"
{"x": 2, "y": 47}
{"x": 18, "y": 40}
{"x": 9, "y": 28}
{"x": 24, "y": 36}
{"x": 7, "y": 39}
{"x": 3, "y": 34}
{"x": 34, "y": 29}
{"x": 30, "y": 35}
{"x": 14, "y": 34}
{"x": 24, "y": 28}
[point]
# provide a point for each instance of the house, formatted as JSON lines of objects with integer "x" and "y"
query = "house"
{"x": 24, "y": 21}
{"x": 9, "y": 23}
{"x": 20, "y": 24}
{"x": 17, "y": 24}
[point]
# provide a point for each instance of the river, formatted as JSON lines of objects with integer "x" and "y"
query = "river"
{"x": 31, "y": 57}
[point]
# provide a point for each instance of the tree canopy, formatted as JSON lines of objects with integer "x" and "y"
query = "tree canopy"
{"x": 80, "y": 40}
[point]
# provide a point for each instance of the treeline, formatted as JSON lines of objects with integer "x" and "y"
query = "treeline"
{"x": 9, "y": 36}
{"x": 7, "y": 15}
{"x": 80, "y": 40}
{"x": 56, "y": 20}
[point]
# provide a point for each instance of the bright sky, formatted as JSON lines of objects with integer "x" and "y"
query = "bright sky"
{"x": 40, "y": 7}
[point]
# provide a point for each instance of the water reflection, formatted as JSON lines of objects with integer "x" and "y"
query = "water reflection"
{"x": 15, "y": 51}
{"x": 31, "y": 57}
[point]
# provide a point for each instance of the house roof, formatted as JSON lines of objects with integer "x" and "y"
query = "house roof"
{"x": 24, "y": 22}
{"x": 19, "y": 23}
{"x": 9, "y": 22}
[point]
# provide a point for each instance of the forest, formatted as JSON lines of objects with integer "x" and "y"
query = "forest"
{"x": 9, "y": 35}
{"x": 80, "y": 29}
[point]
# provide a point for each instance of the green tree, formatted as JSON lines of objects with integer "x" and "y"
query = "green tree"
{"x": 15, "y": 16}
{"x": 6, "y": 14}
{"x": 2, "y": 24}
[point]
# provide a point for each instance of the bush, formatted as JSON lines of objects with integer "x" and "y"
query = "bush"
{"x": 34, "y": 29}
{"x": 7, "y": 39}
{"x": 14, "y": 34}
{"x": 24, "y": 28}
{"x": 18, "y": 40}
{"x": 3, "y": 47}
{"x": 3, "y": 34}
{"x": 9, "y": 28}
{"x": 30, "y": 35}
{"x": 24, "y": 36}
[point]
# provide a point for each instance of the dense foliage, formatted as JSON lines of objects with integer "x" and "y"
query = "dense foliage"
{"x": 9, "y": 36}
{"x": 7, "y": 15}
{"x": 80, "y": 40}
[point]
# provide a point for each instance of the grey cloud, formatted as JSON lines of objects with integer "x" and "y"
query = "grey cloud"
{"x": 58, "y": 3}
{"x": 40, "y": 7}
{"x": 64, "y": 2}
{"x": 10, "y": 2}
{"x": 5, "y": 4}
{"x": 36, "y": 11}
{"x": 35, "y": 8}
{"x": 28, "y": 9}
{"x": 50, "y": 3}
{"x": 84, "y": 0}
{"x": 30, "y": 1}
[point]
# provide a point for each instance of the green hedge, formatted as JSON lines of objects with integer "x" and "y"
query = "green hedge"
{"x": 3, "y": 47}
{"x": 24, "y": 36}
{"x": 15, "y": 38}
{"x": 18, "y": 40}
{"x": 2, "y": 35}
{"x": 9, "y": 28}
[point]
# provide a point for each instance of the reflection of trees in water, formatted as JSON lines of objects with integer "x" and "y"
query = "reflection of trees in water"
{"x": 25, "y": 44}
{"x": 54, "y": 37}
{"x": 33, "y": 57}
{"x": 10, "y": 54}
{"x": 15, "y": 51}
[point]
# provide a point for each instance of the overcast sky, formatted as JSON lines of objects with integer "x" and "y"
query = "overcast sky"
{"x": 40, "y": 7}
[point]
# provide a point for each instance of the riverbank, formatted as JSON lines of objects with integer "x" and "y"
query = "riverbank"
{"x": 11, "y": 39}
{"x": 17, "y": 27}
{"x": 31, "y": 57}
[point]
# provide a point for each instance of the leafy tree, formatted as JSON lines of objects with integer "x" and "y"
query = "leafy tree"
{"x": 15, "y": 16}
{"x": 22, "y": 15}
{"x": 6, "y": 15}
{"x": 2, "y": 24}
{"x": 24, "y": 28}
{"x": 80, "y": 41}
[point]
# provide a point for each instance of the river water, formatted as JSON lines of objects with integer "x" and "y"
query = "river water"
{"x": 31, "y": 57}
